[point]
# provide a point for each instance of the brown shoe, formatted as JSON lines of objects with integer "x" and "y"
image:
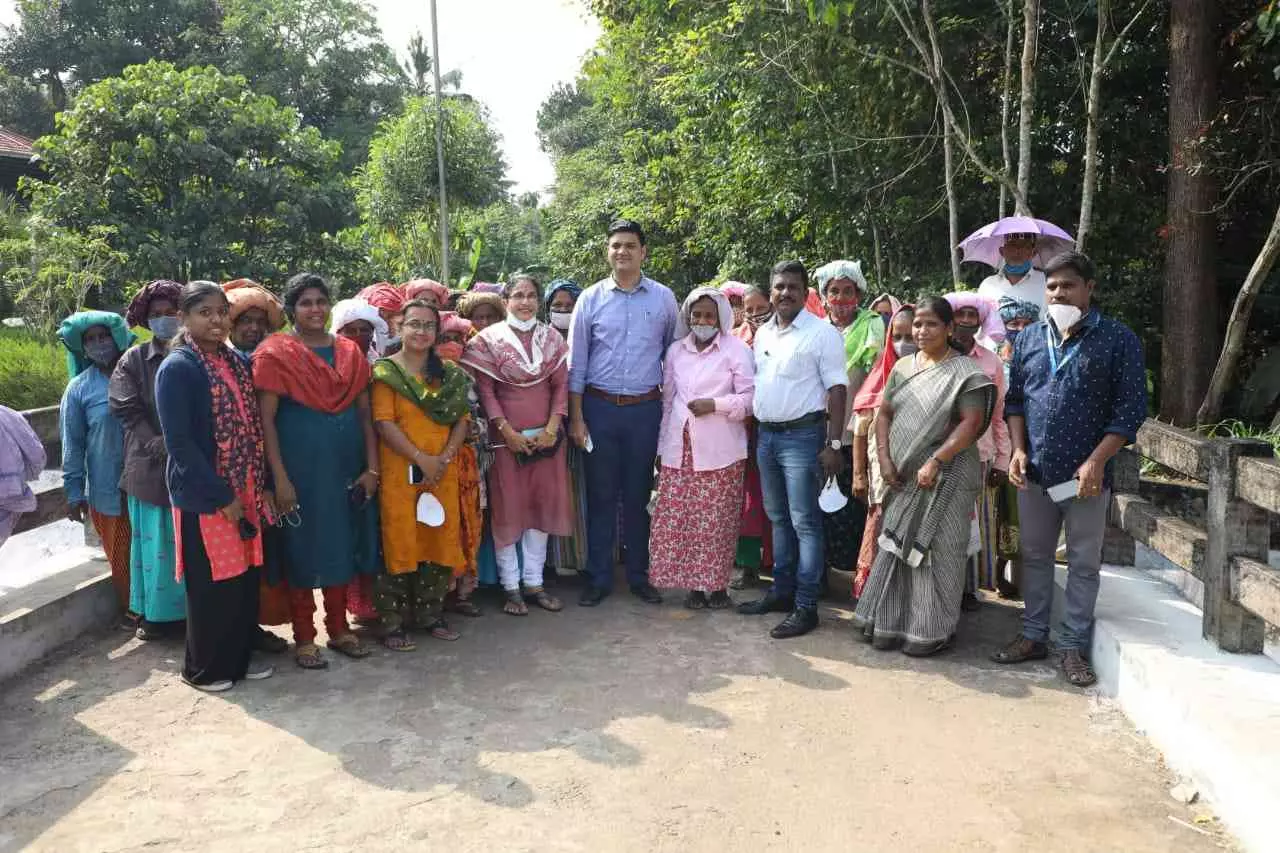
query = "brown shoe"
{"x": 1020, "y": 651}
{"x": 1077, "y": 669}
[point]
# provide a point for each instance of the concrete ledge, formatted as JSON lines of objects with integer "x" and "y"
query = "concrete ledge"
{"x": 1215, "y": 716}
{"x": 37, "y": 619}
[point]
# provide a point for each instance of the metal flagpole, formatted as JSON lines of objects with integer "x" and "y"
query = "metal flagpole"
{"x": 444, "y": 200}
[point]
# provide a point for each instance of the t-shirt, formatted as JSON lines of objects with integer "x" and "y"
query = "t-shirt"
{"x": 1029, "y": 289}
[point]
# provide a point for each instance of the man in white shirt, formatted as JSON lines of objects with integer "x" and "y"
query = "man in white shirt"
{"x": 801, "y": 386}
{"x": 1018, "y": 289}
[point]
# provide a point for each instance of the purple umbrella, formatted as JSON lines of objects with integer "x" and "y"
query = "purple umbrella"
{"x": 983, "y": 245}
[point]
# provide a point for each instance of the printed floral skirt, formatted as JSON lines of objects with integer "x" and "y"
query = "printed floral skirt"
{"x": 694, "y": 531}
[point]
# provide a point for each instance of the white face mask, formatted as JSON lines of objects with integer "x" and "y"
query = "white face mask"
{"x": 560, "y": 319}
{"x": 905, "y": 348}
{"x": 521, "y": 325}
{"x": 1064, "y": 316}
{"x": 704, "y": 333}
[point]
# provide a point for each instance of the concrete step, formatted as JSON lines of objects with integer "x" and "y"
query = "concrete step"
{"x": 38, "y": 618}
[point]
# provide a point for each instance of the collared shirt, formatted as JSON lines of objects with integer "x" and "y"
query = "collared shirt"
{"x": 617, "y": 338}
{"x": 92, "y": 444}
{"x": 796, "y": 366}
{"x": 1099, "y": 387}
{"x": 132, "y": 395}
{"x": 722, "y": 372}
{"x": 1029, "y": 289}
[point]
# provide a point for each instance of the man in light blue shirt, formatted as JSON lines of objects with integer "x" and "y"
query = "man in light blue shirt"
{"x": 619, "y": 335}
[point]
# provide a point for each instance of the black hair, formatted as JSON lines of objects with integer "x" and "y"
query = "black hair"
{"x": 193, "y": 293}
{"x": 1078, "y": 262}
{"x": 510, "y": 286}
{"x": 435, "y": 366}
{"x": 790, "y": 268}
{"x": 300, "y": 284}
{"x": 941, "y": 309}
{"x": 629, "y": 226}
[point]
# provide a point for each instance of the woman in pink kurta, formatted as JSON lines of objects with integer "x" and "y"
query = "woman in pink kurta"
{"x": 707, "y": 386}
{"x": 521, "y": 372}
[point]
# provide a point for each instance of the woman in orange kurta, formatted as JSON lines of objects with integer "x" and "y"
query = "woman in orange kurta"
{"x": 421, "y": 410}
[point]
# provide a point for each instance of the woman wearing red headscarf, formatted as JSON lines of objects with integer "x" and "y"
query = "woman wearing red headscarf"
{"x": 389, "y": 300}
{"x": 867, "y": 482}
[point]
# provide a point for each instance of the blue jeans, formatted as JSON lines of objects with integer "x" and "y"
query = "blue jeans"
{"x": 624, "y": 443}
{"x": 790, "y": 480}
{"x": 1040, "y": 520}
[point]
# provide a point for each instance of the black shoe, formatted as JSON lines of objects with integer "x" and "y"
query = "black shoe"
{"x": 592, "y": 596}
{"x": 646, "y": 593}
{"x": 771, "y": 603}
{"x": 799, "y": 622}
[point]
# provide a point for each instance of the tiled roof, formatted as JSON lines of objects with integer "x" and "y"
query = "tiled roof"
{"x": 14, "y": 145}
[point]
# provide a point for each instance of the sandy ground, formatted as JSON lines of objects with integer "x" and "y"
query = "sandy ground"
{"x": 624, "y": 728}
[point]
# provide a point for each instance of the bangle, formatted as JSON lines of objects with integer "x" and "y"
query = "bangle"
{"x": 374, "y": 472}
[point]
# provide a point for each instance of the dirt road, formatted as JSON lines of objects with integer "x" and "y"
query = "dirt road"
{"x": 624, "y": 728}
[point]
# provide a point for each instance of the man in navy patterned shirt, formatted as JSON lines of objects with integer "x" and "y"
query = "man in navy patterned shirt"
{"x": 1077, "y": 394}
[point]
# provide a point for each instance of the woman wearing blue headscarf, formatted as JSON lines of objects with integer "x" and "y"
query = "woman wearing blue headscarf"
{"x": 92, "y": 439}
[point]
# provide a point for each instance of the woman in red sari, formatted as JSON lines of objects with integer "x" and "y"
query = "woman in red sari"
{"x": 755, "y": 533}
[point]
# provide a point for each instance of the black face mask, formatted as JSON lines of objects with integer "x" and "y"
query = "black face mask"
{"x": 967, "y": 332}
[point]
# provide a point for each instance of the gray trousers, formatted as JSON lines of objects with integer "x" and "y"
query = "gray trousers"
{"x": 1040, "y": 521}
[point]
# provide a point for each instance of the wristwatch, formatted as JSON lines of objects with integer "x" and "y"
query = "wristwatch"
{"x": 835, "y": 444}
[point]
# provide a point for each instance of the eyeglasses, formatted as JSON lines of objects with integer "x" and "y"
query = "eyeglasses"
{"x": 419, "y": 326}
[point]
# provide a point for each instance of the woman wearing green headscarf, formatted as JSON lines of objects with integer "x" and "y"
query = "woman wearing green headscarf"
{"x": 92, "y": 439}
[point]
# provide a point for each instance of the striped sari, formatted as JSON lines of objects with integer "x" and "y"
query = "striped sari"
{"x": 912, "y": 597}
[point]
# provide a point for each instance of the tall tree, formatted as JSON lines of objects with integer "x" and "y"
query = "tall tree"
{"x": 1027, "y": 103}
{"x": 1191, "y": 331}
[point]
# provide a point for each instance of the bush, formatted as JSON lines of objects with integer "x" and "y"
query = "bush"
{"x": 33, "y": 373}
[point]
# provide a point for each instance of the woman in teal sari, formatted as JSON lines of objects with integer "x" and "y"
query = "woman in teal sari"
{"x": 936, "y": 404}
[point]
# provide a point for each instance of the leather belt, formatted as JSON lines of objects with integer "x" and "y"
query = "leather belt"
{"x": 811, "y": 419}
{"x": 625, "y": 399}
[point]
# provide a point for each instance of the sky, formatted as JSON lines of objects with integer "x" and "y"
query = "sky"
{"x": 511, "y": 54}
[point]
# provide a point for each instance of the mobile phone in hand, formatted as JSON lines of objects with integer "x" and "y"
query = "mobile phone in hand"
{"x": 416, "y": 477}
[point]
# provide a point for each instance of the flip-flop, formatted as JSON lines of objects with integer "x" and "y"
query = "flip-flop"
{"x": 350, "y": 646}
{"x": 441, "y": 631}
{"x": 308, "y": 657}
{"x": 545, "y": 601}
{"x": 399, "y": 641}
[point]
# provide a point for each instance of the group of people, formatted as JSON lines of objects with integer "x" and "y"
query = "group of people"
{"x": 396, "y": 449}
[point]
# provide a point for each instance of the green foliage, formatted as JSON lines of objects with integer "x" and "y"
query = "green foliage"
{"x": 1232, "y": 428}
{"x": 33, "y": 372}
{"x": 189, "y": 174}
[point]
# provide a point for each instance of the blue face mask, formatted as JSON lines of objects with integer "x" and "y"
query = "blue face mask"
{"x": 163, "y": 328}
{"x": 887, "y": 316}
{"x": 1018, "y": 269}
{"x": 1011, "y": 336}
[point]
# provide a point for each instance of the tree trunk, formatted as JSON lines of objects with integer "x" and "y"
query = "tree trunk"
{"x": 1006, "y": 97}
{"x": 948, "y": 146}
{"x": 1211, "y": 408}
{"x": 1026, "y": 110}
{"x": 1090, "y": 182}
{"x": 875, "y": 243}
{"x": 1190, "y": 344}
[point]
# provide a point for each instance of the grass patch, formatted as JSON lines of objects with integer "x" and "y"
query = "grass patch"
{"x": 33, "y": 373}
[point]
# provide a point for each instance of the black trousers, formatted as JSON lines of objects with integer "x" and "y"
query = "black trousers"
{"x": 222, "y": 616}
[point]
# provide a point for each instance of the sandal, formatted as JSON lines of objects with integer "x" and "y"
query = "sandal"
{"x": 398, "y": 641}
{"x": 308, "y": 657}
{"x": 696, "y": 600}
{"x": 719, "y": 600}
{"x": 1021, "y": 650}
{"x": 349, "y": 645}
{"x": 515, "y": 605}
{"x": 1077, "y": 669}
{"x": 545, "y": 601}
{"x": 463, "y": 607}
{"x": 441, "y": 631}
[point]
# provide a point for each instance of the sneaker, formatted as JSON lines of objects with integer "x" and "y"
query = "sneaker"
{"x": 211, "y": 687}
{"x": 258, "y": 670}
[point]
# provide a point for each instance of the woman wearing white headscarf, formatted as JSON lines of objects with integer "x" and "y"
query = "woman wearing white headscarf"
{"x": 361, "y": 322}
{"x": 707, "y": 388}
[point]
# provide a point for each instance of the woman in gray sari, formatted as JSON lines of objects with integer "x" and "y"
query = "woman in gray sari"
{"x": 936, "y": 404}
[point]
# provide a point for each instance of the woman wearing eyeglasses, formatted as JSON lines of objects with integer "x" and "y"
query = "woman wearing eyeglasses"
{"x": 216, "y": 473}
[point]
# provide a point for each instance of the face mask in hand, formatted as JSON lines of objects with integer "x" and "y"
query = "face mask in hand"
{"x": 101, "y": 353}
{"x": 704, "y": 333}
{"x": 1064, "y": 316}
{"x": 163, "y": 328}
{"x": 905, "y": 348}
{"x": 561, "y": 319}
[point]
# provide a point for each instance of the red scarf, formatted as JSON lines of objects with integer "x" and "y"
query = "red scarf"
{"x": 871, "y": 394}
{"x": 240, "y": 446}
{"x": 284, "y": 365}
